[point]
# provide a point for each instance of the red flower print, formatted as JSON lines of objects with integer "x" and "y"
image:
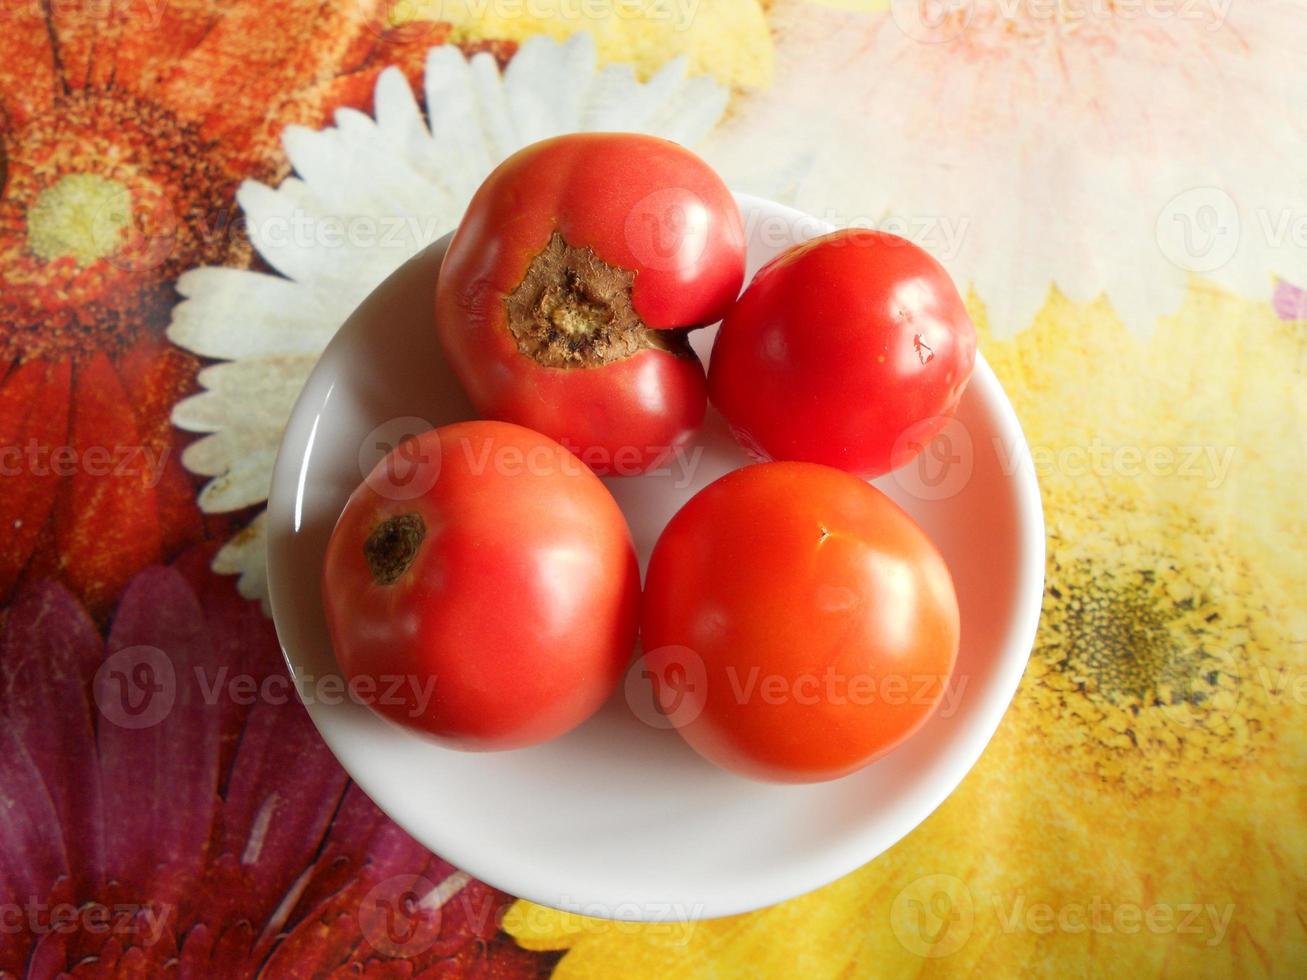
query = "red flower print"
{"x": 157, "y": 821}
{"x": 125, "y": 129}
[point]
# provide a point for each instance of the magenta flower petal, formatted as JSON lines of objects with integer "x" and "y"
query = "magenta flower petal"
{"x": 48, "y": 653}
{"x": 1289, "y": 301}
{"x": 196, "y": 955}
{"x": 362, "y": 832}
{"x": 222, "y": 824}
{"x": 159, "y": 778}
{"x": 284, "y": 788}
{"x": 364, "y": 844}
{"x": 222, "y": 951}
{"x": 32, "y": 855}
{"x": 48, "y": 956}
{"x": 243, "y": 644}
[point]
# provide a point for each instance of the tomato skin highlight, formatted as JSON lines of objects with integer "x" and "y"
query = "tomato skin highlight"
{"x": 517, "y": 615}
{"x": 797, "y": 623}
{"x": 852, "y": 349}
{"x": 640, "y": 204}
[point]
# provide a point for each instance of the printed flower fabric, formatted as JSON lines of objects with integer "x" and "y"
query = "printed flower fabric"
{"x": 206, "y": 835}
{"x": 127, "y": 128}
{"x": 1137, "y": 812}
{"x": 1117, "y": 187}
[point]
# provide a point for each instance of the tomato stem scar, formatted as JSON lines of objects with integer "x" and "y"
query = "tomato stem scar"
{"x": 392, "y": 546}
{"x": 573, "y": 310}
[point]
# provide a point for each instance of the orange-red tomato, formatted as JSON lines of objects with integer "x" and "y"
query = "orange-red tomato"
{"x": 481, "y": 586}
{"x": 796, "y": 623}
{"x": 852, "y": 349}
{"x": 567, "y": 290}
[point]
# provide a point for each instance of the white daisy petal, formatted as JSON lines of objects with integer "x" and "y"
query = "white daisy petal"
{"x": 661, "y": 89}
{"x": 336, "y": 169}
{"x": 689, "y": 110}
{"x": 453, "y": 116}
{"x": 398, "y": 115}
{"x": 367, "y": 194}
{"x": 1139, "y": 298}
{"x": 1081, "y": 150}
{"x": 576, "y": 68}
{"x": 213, "y": 454}
{"x": 316, "y": 155}
{"x": 243, "y": 484}
{"x": 211, "y": 321}
{"x": 246, "y": 555}
{"x": 254, "y": 393}
{"x": 271, "y": 219}
{"x": 615, "y": 100}
{"x": 545, "y": 85}
{"x": 353, "y": 124}
{"x": 521, "y": 83}
{"x": 1018, "y": 304}
{"x": 255, "y": 378}
{"x": 403, "y": 126}
{"x": 495, "y": 118}
{"x": 204, "y": 412}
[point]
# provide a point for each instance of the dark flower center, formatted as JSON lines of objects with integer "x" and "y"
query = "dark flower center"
{"x": 107, "y": 197}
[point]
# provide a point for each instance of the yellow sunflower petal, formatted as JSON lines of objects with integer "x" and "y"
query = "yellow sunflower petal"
{"x": 727, "y": 39}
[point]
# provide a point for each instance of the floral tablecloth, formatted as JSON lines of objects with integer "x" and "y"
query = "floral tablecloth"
{"x": 196, "y": 192}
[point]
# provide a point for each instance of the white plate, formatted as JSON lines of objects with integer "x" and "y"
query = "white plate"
{"x": 620, "y": 819}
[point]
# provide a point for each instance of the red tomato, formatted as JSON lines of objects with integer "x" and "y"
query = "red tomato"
{"x": 482, "y": 586}
{"x": 852, "y": 349}
{"x": 797, "y": 624}
{"x": 564, "y": 299}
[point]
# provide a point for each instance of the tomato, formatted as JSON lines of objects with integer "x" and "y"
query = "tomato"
{"x": 852, "y": 349}
{"x": 481, "y": 586}
{"x": 565, "y": 297}
{"x": 796, "y": 623}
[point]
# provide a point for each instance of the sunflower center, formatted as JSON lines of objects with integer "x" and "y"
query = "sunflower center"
{"x": 1121, "y": 645}
{"x": 80, "y": 215}
{"x": 1141, "y": 662}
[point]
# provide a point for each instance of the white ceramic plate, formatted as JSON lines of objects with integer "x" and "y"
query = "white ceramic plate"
{"x": 619, "y": 818}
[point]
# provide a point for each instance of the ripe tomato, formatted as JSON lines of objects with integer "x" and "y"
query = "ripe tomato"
{"x": 482, "y": 586}
{"x": 852, "y": 349}
{"x": 564, "y": 299}
{"x": 797, "y": 624}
